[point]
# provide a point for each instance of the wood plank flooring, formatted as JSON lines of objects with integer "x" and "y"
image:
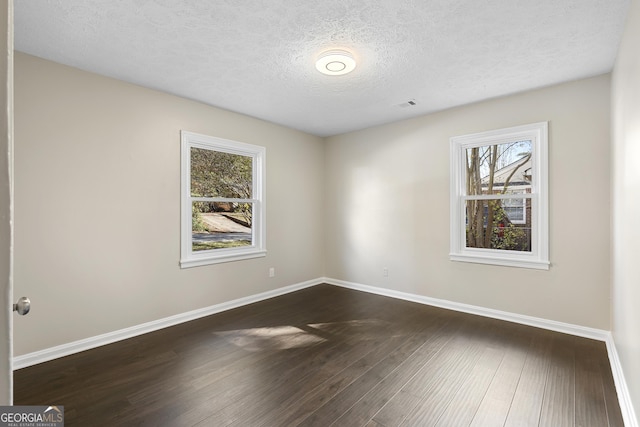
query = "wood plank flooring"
{"x": 328, "y": 356}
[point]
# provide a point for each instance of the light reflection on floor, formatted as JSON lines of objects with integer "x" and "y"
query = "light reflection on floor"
{"x": 271, "y": 338}
{"x": 288, "y": 337}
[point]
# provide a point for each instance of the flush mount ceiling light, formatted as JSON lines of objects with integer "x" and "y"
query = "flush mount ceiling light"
{"x": 335, "y": 62}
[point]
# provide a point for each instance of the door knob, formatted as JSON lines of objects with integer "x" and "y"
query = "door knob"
{"x": 22, "y": 306}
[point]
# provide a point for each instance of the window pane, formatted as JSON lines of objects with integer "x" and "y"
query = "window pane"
{"x": 514, "y": 209}
{"x": 489, "y": 224}
{"x": 218, "y": 174}
{"x": 217, "y": 225}
{"x": 517, "y": 210}
{"x": 490, "y": 169}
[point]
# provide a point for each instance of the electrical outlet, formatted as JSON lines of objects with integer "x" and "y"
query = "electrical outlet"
{"x": 385, "y": 272}
{"x": 272, "y": 272}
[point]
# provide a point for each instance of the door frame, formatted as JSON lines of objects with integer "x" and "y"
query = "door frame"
{"x": 6, "y": 204}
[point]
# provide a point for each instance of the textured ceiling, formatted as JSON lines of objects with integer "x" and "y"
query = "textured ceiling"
{"x": 257, "y": 56}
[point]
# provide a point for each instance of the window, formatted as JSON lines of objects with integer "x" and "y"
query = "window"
{"x": 222, "y": 211}
{"x": 516, "y": 209}
{"x": 499, "y": 187}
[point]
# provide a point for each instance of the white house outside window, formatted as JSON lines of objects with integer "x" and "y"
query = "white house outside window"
{"x": 222, "y": 192}
{"x": 499, "y": 187}
{"x": 518, "y": 211}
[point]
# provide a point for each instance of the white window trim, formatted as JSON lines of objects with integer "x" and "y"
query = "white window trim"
{"x": 538, "y": 258}
{"x": 189, "y": 258}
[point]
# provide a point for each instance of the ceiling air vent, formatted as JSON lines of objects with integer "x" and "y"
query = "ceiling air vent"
{"x": 409, "y": 103}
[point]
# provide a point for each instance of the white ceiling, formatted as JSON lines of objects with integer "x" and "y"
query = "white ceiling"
{"x": 257, "y": 56}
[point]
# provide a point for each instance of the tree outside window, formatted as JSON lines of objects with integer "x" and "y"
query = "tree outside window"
{"x": 227, "y": 178}
{"x": 499, "y": 223}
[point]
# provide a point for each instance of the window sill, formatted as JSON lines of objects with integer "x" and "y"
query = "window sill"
{"x": 502, "y": 261}
{"x": 218, "y": 259}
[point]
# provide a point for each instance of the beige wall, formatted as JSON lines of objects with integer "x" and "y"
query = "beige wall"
{"x": 98, "y": 205}
{"x": 6, "y": 198}
{"x": 387, "y": 196}
{"x": 626, "y": 204}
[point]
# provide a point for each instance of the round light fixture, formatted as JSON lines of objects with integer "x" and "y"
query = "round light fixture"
{"x": 335, "y": 62}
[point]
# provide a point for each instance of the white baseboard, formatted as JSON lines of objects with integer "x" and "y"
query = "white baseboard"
{"x": 626, "y": 407}
{"x": 567, "y": 328}
{"x": 47, "y": 354}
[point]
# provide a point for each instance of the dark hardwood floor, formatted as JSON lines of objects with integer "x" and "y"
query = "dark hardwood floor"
{"x": 331, "y": 356}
